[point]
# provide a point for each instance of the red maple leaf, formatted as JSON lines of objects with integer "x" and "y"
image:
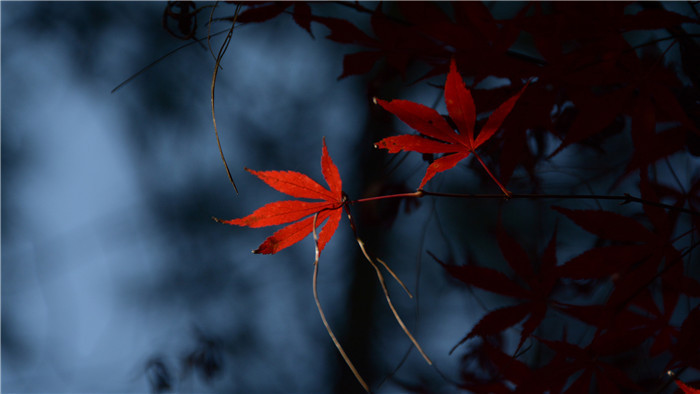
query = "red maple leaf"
{"x": 506, "y": 371}
{"x": 635, "y": 254}
{"x": 686, "y": 389}
{"x": 532, "y": 284}
{"x": 440, "y": 136}
{"x": 591, "y": 361}
{"x": 263, "y": 11}
{"x": 300, "y": 186}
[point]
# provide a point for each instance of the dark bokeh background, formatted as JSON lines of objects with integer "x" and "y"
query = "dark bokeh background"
{"x": 114, "y": 276}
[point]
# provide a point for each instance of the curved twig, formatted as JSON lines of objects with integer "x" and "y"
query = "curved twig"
{"x": 222, "y": 50}
{"x": 384, "y": 288}
{"x": 317, "y": 254}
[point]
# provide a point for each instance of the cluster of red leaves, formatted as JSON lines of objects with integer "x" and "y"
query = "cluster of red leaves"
{"x": 532, "y": 285}
{"x": 592, "y": 83}
{"x": 641, "y": 262}
{"x": 589, "y": 76}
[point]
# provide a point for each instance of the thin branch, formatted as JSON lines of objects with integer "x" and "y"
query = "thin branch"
{"x": 317, "y": 254}
{"x": 222, "y": 50}
{"x": 384, "y": 288}
{"x": 675, "y": 176}
{"x": 153, "y": 63}
{"x": 656, "y": 41}
{"x": 395, "y": 277}
{"x": 624, "y": 199}
{"x": 418, "y": 194}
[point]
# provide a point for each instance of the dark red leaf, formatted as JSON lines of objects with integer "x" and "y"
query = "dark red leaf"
{"x": 685, "y": 350}
{"x": 476, "y": 16}
{"x": 514, "y": 146}
{"x": 302, "y": 16}
{"x": 608, "y": 225}
{"x": 514, "y": 370}
{"x": 515, "y": 255}
{"x": 595, "y": 113}
{"x": 651, "y": 19}
{"x": 537, "y": 311}
{"x": 345, "y": 32}
{"x": 263, "y": 12}
{"x": 487, "y": 279}
{"x": 603, "y": 261}
{"x": 604, "y": 317}
{"x": 359, "y": 63}
{"x": 656, "y": 147}
{"x": 500, "y": 319}
{"x": 497, "y": 117}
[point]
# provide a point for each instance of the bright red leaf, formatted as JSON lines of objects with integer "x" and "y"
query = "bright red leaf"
{"x": 298, "y": 185}
{"x": 440, "y": 136}
{"x": 686, "y": 389}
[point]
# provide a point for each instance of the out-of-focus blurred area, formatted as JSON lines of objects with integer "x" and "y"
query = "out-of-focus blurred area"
{"x": 114, "y": 276}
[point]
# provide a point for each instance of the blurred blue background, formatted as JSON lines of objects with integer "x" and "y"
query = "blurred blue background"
{"x": 116, "y": 279}
{"x": 114, "y": 276}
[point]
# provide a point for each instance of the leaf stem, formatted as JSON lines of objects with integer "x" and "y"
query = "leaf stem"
{"x": 418, "y": 193}
{"x": 503, "y": 189}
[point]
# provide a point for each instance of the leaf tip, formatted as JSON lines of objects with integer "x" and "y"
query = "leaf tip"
{"x": 453, "y": 65}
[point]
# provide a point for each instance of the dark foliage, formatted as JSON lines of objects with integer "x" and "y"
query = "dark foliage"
{"x": 597, "y": 81}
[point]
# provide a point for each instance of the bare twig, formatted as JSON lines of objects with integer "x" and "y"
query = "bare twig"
{"x": 222, "y": 50}
{"x": 624, "y": 199}
{"x": 153, "y": 63}
{"x": 384, "y": 288}
{"x": 395, "y": 277}
{"x": 317, "y": 254}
